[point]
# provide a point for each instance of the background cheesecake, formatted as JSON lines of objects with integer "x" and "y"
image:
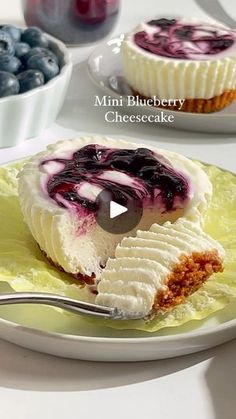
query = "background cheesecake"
{"x": 182, "y": 58}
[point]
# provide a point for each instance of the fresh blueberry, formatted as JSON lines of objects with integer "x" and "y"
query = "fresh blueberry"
{"x": 9, "y": 85}
{"x": 9, "y": 63}
{"x": 29, "y": 54}
{"x": 42, "y": 51}
{"x": 6, "y": 44}
{"x": 35, "y": 37}
{"x": 30, "y": 79}
{"x": 45, "y": 51}
{"x": 46, "y": 65}
{"x": 21, "y": 48}
{"x": 14, "y": 32}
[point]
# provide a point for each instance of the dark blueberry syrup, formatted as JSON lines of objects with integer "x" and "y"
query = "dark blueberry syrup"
{"x": 154, "y": 176}
{"x": 176, "y": 39}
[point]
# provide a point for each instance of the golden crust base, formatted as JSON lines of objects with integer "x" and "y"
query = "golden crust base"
{"x": 187, "y": 277}
{"x": 213, "y": 104}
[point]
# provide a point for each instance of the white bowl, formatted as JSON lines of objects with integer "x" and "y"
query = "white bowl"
{"x": 26, "y": 115}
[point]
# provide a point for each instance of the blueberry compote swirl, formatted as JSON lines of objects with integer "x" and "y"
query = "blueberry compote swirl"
{"x": 175, "y": 39}
{"x": 127, "y": 174}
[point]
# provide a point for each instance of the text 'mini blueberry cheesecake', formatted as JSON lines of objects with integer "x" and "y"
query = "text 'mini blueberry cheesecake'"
{"x": 58, "y": 190}
{"x": 184, "y": 59}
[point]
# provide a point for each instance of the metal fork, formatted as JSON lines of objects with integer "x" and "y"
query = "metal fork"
{"x": 69, "y": 304}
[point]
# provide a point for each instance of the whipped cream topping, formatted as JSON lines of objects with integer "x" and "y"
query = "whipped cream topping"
{"x": 139, "y": 174}
{"x": 182, "y": 40}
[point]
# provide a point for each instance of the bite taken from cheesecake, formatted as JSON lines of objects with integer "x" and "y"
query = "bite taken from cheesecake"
{"x": 58, "y": 190}
{"x": 182, "y": 58}
{"x": 158, "y": 269}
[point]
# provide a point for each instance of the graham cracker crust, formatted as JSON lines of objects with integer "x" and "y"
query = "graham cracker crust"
{"x": 213, "y": 104}
{"x": 187, "y": 277}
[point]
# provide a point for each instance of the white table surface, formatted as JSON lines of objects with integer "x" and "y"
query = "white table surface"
{"x": 36, "y": 386}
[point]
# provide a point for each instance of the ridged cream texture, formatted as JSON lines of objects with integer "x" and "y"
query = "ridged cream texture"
{"x": 55, "y": 228}
{"x": 169, "y": 78}
{"x": 132, "y": 280}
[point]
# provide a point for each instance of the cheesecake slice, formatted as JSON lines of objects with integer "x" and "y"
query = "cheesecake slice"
{"x": 158, "y": 269}
{"x": 58, "y": 192}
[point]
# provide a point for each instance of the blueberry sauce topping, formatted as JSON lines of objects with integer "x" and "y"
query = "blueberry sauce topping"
{"x": 176, "y": 39}
{"x": 139, "y": 174}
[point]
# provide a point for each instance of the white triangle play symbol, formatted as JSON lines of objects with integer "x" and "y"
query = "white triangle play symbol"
{"x": 116, "y": 209}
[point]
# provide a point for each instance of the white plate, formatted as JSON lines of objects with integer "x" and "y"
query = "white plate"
{"x": 105, "y": 69}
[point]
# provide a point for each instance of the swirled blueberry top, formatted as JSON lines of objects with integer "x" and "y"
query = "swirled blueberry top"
{"x": 127, "y": 174}
{"x": 177, "y": 39}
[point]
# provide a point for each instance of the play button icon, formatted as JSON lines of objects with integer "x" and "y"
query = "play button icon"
{"x": 116, "y": 209}
{"x": 116, "y": 218}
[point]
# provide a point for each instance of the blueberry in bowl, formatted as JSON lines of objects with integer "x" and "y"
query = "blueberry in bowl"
{"x": 21, "y": 49}
{"x": 6, "y": 44}
{"x": 35, "y": 37}
{"x": 30, "y": 79}
{"x": 46, "y": 64}
{"x": 29, "y": 49}
{"x": 9, "y": 85}
{"x": 10, "y": 64}
{"x": 13, "y": 31}
{"x": 35, "y": 70}
{"x": 39, "y": 50}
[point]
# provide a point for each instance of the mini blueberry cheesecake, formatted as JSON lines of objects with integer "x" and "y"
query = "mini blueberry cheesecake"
{"x": 58, "y": 190}
{"x": 182, "y": 59}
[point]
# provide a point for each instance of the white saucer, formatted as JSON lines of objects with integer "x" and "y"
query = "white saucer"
{"x": 105, "y": 69}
